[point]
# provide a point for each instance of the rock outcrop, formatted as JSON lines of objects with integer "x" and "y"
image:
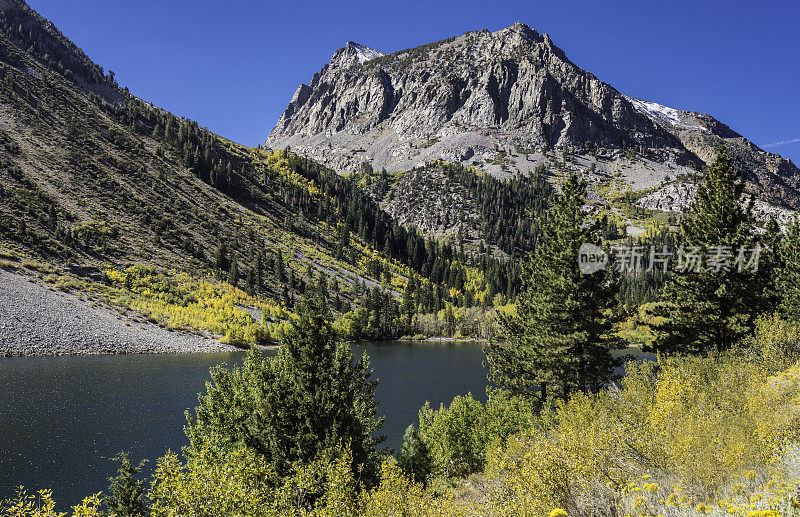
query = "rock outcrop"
{"x": 676, "y": 197}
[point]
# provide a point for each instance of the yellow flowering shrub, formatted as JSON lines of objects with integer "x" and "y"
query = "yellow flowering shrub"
{"x": 698, "y": 427}
{"x": 776, "y": 341}
{"x": 533, "y": 475}
{"x": 210, "y": 483}
{"x": 42, "y": 504}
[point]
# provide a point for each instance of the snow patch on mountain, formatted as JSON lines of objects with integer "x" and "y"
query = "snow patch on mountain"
{"x": 364, "y": 54}
{"x": 353, "y": 54}
{"x": 664, "y": 114}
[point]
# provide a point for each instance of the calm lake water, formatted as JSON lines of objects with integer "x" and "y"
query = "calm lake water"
{"x": 63, "y": 418}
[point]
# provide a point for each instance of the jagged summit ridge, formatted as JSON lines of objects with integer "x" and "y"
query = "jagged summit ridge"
{"x": 505, "y": 102}
{"x": 353, "y": 54}
{"x": 474, "y": 79}
{"x": 468, "y": 98}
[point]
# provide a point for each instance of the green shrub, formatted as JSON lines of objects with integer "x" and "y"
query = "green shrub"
{"x": 126, "y": 489}
{"x": 95, "y": 234}
{"x": 459, "y": 435}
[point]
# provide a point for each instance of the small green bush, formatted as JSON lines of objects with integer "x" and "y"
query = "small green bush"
{"x": 459, "y": 435}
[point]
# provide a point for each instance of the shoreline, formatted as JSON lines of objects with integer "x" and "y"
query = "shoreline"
{"x": 445, "y": 339}
{"x": 37, "y": 320}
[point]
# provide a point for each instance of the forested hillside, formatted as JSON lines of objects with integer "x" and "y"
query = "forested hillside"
{"x": 104, "y": 192}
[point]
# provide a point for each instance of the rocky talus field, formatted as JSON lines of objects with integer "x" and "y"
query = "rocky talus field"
{"x": 38, "y": 320}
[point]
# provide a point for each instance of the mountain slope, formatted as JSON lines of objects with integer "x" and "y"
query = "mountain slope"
{"x": 505, "y": 102}
{"x": 85, "y": 181}
{"x": 771, "y": 177}
{"x": 89, "y": 181}
{"x": 106, "y": 193}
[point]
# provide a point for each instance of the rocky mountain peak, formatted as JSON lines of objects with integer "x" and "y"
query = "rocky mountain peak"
{"x": 353, "y": 54}
{"x": 521, "y": 27}
{"x": 505, "y": 102}
{"x": 466, "y": 99}
{"x": 518, "y": 32}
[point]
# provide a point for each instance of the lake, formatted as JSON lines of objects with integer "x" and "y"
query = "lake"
{"x": 63, "y": 418}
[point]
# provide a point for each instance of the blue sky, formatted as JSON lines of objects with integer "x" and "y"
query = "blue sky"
{"x": 233, "y": 66}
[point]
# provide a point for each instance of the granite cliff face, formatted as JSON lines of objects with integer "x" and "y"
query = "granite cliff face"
{"x": 505, "y": 102}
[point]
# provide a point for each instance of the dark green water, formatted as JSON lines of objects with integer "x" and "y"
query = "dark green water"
{"x": 62, "y": 418}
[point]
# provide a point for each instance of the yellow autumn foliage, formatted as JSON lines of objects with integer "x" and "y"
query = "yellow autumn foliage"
{"x": 180, "y": 301}
{"x": 42, "y": 504}
{"x": 712, "y": 436}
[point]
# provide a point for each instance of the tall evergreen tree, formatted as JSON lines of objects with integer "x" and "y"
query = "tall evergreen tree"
{"x": 250, "y": 281}
{"x": 407, "y": 303}
{"x": 221, "y": 261}
{"x": 788, "y": 274}
{"x": 280, "y": 268}
{"x": 301, "y": 404}
{"x": 559, "y": 339}
{"x": 259, "y": 271}
{"x": 414, "y": 457}
{"x": 322, "y": 286}
{"x": 713, "y": 299}
{"x": 233, "y": 272}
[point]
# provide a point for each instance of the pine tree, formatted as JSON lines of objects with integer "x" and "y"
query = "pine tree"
{"x": 707, "y": 307}
{"x": 559, "y": 340}
{"x": 322, "y": 286}
{"x": 789, "y": 273}
{"x": 250, "y": 281}
{"x": 221, "y": 258}
{"x": 259, "y": 272}
{"x": 126, "y": 492}
{"x": 281, "y": 268}
{"x": 287, "y": 302}
{"x": 298, "y": 406}
{"x": 414, "y": 458}
{"x": 408, "y": 303}
{"x": 233, "y": 272}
